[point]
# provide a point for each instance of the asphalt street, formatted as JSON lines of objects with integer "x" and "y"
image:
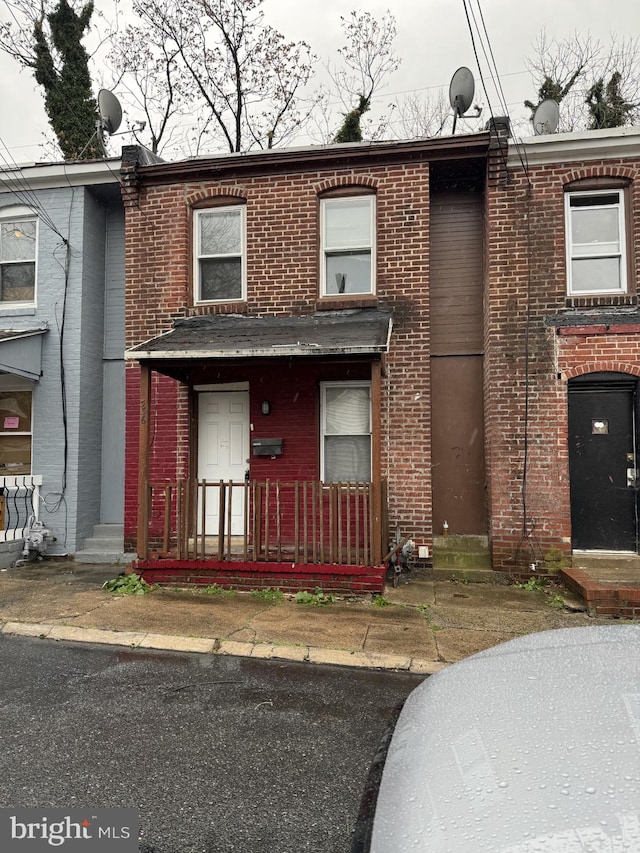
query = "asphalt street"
{"x": 218, "y": 753}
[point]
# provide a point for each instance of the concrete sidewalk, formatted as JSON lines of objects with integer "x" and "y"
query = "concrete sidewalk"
{"x": 419, "y": 627}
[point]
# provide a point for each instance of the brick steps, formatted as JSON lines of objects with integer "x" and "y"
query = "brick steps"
{"x": 604, "y": 597}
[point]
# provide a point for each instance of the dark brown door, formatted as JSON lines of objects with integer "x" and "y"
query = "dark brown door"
{"x": 602, "y": 462}
{"x": 457, "y": 445}
{"x": 456, "y": 328}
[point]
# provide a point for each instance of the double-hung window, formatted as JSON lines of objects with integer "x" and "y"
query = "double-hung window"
{"x": 348, "y": 245}
{"x": 595, "y": 233}
{"x": 17, "y": 259}
{"x": 220, "y": 263}
{"x": 346, "y": 432}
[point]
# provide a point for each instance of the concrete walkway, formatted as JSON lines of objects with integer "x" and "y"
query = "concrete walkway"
{"x": 419, "y": 627}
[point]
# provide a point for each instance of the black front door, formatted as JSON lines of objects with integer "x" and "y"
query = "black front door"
{"x": 602, "y": 462}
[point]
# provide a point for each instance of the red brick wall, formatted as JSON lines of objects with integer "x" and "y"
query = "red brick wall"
{"x": 283, "y": 273}
{"x": 530, "y": 515}
{"x": 527, "y": 364}
{"x": 167, "y": 454}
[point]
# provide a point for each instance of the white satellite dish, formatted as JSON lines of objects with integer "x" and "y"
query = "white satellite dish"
{"x": 110, "y": 111}
{"x": 546, "y": 117}
{"x": 461, "y": 92}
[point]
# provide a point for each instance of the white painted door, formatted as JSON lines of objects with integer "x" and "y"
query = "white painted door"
{"x": 223, "y": 454}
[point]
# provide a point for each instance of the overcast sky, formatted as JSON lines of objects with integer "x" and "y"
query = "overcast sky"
{"x": 433, "y": 40}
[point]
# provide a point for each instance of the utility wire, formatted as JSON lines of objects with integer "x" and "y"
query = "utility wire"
{"x": 23, "y": 191}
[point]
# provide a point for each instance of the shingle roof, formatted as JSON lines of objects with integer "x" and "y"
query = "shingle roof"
{"x": 349, "y": 332}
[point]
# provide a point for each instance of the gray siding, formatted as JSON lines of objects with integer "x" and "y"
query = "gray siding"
{"x": 86, "y": 359}
{"x": 113, "y": 422}
{"x": 65, "y": 208}
{"x": 73, "y": 306}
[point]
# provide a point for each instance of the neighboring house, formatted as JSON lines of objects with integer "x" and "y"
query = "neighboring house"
{"x": 61, "y": 355}
{"x": 449, "y": 323}
{"x": 562, "y": 349}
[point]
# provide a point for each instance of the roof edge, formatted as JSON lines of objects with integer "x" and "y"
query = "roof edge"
{"x": 606, "y": 144}
{"x": 354, "y": 153}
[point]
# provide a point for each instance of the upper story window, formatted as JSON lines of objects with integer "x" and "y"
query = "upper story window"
{"x": 596, "y": 252}
{"x": 347, "y": 245}
{"x": 17, "y": 258}
{"x": 220, "y": 256}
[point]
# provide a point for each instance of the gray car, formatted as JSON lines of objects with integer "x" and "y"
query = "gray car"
{"x": 532, "y": 746}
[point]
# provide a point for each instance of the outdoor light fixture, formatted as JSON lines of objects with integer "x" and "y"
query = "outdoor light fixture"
{"x": 265, "y": 407}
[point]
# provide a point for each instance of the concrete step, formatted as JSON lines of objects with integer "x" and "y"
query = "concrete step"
{"x": 459, "y": 551}
{"x": 607, "y": 560}
{"x": 108, "y": 531}
{"x": 115, "y": 558}
{"x": 105, "y": 546}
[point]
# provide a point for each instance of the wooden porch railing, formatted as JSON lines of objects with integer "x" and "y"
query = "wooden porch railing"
{"x": 271, "y": 520}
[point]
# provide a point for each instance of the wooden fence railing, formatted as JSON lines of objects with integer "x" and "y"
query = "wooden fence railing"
{"x": 299, "y": 521}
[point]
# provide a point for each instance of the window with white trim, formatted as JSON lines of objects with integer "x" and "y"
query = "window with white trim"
{"x": 15, "y": 432}
{"x": 346, "y": 432}
{"x": 347, "y": 245}
{"x": 596, "y": 252}
{"x": 18, "y": 240}
{"x": 220, "y": 272}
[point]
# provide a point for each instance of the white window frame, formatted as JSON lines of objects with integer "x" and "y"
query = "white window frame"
{"x": 622, "y": 248}
{"x": 17, "y": 214}
{"x": 326, "y": 250}
{"x": 239, "y": 209}
{"x": 324, "y": 386}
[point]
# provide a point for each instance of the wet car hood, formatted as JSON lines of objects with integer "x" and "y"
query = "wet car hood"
{"x": 530, "y": 746}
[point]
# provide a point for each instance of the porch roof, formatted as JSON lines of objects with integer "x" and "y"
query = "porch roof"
{"x": 350, "y": 332}
{"x": 21, "y": 352}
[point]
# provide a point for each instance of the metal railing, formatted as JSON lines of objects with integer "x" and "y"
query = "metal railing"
{"x": 270, "y": 520}
{"x": 19, "y": 502}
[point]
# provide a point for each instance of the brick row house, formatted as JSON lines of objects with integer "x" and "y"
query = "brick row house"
{"x": 562, "y": 349}
{"x": 329, "y": 345}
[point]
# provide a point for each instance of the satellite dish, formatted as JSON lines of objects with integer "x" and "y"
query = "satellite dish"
{"x": 461, "y": 91}
{"x": 110, "y": 111}
{"x": 546, "y": 117}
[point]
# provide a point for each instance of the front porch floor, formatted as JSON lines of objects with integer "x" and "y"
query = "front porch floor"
{"x": 608, "y": 583}
{"x": 250, "y": 575}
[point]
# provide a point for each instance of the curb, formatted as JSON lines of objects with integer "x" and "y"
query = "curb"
{"x": 204, "y": 645}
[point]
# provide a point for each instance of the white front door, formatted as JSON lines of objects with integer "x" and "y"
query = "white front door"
{"x": 223, "y": 454}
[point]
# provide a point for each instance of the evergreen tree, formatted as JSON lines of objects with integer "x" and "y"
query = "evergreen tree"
{"x": 554, "y": 90}
{"x": 607, "y": 106}
{"x": 351, "y": 130}
{"x": 64, "y": 76}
